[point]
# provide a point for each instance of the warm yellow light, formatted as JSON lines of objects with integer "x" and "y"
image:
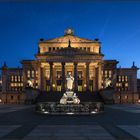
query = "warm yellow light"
{"x": 126, "y": 96}
{"x": 53, "y": 85}
{"x": 139, "y": 101}
{"x": 118, "y": 97}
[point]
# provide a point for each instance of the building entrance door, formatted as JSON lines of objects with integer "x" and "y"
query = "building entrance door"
{"x": 58, "y": 86}
{"x": 91, "y": 85}
{"x": 80, "y": 87}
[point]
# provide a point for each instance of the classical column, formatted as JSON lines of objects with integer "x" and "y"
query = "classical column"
{"x": 51, "y": 76}
{"x": 96, "y": 78}
{"x": 63, "y": 76}
{"x": 87, "y": 76}
{"x": 40, "y": 82}
{"x": 75, "y": 77}
{"x": 100, "y": 76}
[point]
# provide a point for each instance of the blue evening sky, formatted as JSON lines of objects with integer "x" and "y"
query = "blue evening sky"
{"x": 116, "y": 24}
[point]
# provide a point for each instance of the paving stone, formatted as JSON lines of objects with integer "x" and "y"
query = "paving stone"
{"x": 4, "y": 130}
{"x": 134, "y": 130}
{"x": 101, "y": 138}
{"x": 80, "y": 132}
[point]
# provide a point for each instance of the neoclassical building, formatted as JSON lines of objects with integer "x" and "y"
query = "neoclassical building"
{"x": 81, "y": 57}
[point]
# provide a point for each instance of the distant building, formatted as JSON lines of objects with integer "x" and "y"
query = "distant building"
{"x": 138, "y": 86}
{"x": 69, "y": 53}
{"x": 0, "y": 84}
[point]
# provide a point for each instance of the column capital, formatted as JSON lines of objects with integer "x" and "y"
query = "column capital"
{"x": 87, "y": 63}
{"x": 75, "y": 63}
{"x": 62, "y": 63}
{"x": 51, "y": 63}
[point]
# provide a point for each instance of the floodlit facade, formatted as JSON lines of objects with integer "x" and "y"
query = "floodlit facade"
{"x": 81, "y": 57}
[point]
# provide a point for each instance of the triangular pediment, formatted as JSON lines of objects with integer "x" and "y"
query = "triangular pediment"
{"x": 66, "y": 38}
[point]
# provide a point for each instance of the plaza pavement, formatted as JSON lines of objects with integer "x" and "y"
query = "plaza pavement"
{"x": 118, "y": 122}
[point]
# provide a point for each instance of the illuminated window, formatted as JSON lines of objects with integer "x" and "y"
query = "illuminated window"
{"x": 119, "y": 78}
{"x": 126, "y": 84}
{"x": 105, "y": 73}
{"x": 36, "y": 73}
{"x": 12, "y": 78}
{"x": 11, "y": 84}
{"x": 110, "y": 73}
{"x": 16, "y": 84}
{"x": 28, "y": 73}
{"x": 80, "y": 88}
{"x": 126, "y": 78}
{"x": 19, "y": 78}
{"x": 122, "y": 78}
{"x": 126, "y": 97}
{"x": 120, "y": 84}
{"x": 15, "y": 78}
{"x": 33, "y": 73}
{"x": 58, "y": 88}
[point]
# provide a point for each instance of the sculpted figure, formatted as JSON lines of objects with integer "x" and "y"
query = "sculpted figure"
{"x": 69, "y": 97}
{"x": 70, "y": 81}
{"x": 107, "y": 83}
{"x": 30, "y": 83}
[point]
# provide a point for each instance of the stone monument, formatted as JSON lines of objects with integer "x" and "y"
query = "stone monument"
{"x": 69, "y": 97}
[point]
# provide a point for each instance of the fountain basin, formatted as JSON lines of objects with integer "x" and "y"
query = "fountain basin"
{"x": 54, "y": 108}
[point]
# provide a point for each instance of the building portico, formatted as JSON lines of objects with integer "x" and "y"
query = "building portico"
{"x": 85, "y": 75}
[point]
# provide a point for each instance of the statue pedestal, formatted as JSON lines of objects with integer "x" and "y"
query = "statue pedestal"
{"x": 69, "y": 97}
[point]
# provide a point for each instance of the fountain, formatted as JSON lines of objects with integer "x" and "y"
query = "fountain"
{"x": 69, "y": 97}
{"x": 69, "y": 103}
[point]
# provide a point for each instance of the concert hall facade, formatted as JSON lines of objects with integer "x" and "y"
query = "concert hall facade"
{"x": 56, "y": 58}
